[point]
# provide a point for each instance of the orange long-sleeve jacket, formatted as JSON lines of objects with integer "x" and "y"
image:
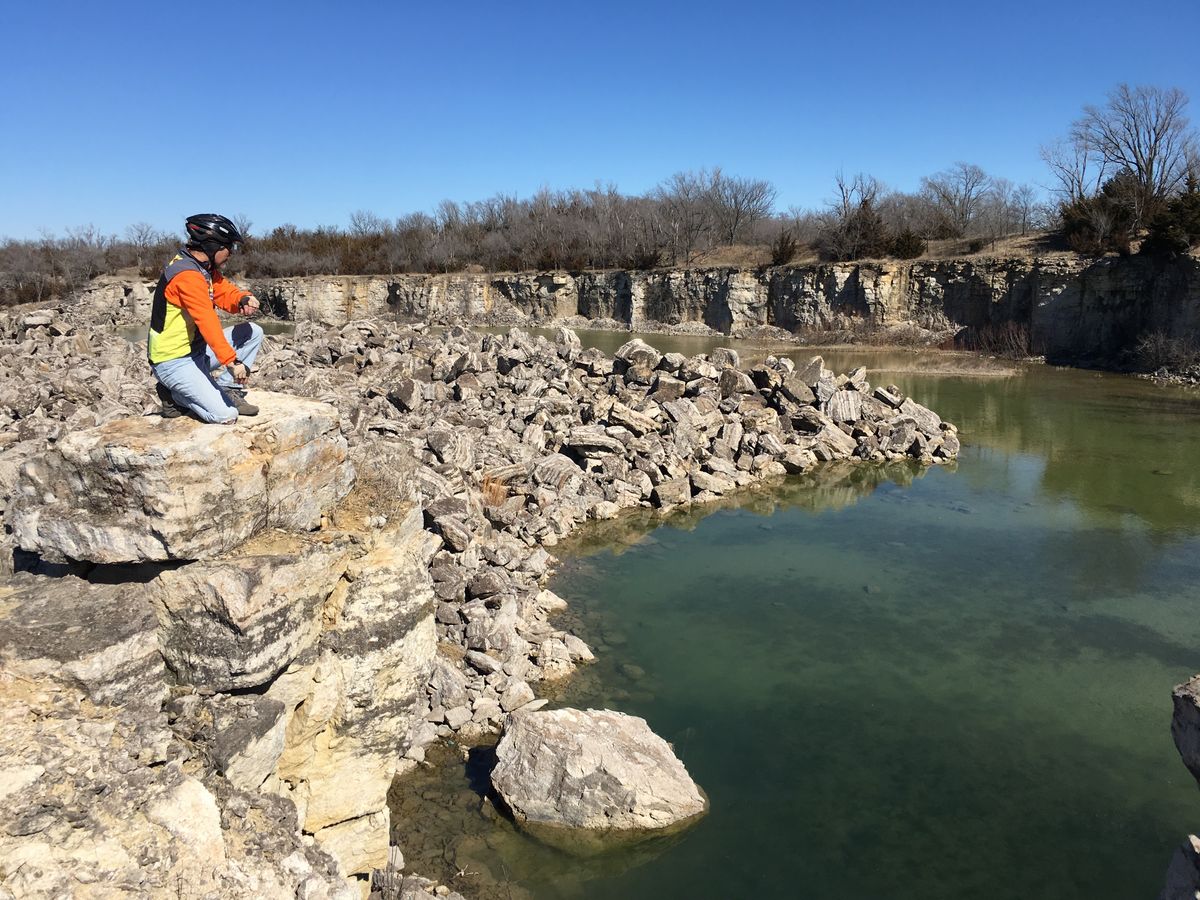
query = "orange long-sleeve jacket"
{"x": 185, "y": 303}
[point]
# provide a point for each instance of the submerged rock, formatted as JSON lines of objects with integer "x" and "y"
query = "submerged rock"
{"x": 586, "y": 781}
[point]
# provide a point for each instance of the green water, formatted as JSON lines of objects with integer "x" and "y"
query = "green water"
{"x": 904, "y": 683}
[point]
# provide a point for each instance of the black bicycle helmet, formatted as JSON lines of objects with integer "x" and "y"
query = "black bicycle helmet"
{"x": 211, "y": 232}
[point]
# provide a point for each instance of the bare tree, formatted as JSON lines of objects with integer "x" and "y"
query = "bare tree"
{"x": 24, "y": 275}
{"x": 413, "y": 236}
{"x": 1024, "y": 206}
{"x": 78, "y": 257}
{"x": 958, "y": 193}
{"x": 142, "y": 236}
{"x": 364, "y": 222}
{"x": 738, "y": 203}
{"x": 994, "y": 217}
{"x": 1142, "y": 130}
{"x": 917, "y": 213}
{"x": 1078, "y": 173}
{"x": 803, "y": 223}
{"x": 448, "y": 215}
{"x": 650, "y": 238}
{"x": 852, "y": 227}
{"x": 243, "y": 223}
{"x": 686, "y": 211}
{"x": 862, "y": 190}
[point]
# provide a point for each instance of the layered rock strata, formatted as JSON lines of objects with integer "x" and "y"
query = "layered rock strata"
{"x": 100, "y": 796}
{"x": 332, "y": 632}
{"x": 132, "y": 490}
{"x": 1074, "y": 309}
{"x": 100, "y": 641}
{"x": 347, "y": 714}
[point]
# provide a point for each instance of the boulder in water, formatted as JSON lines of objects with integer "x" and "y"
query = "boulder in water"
{"x": 586, "y": 781}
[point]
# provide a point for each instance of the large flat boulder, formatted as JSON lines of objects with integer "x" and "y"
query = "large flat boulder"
{"x": 152, "y": 489}
{"x": 585, "y": 781}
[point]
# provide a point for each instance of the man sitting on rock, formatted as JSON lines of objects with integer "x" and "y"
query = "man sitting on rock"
{"x": 186, "y": 342}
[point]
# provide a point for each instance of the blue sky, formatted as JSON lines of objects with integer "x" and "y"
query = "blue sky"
{"x": 119, "y": 112}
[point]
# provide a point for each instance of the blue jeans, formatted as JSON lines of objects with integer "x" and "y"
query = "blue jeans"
{"x": 190, "y": 380}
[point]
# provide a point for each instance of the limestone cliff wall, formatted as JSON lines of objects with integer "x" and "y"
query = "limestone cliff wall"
{"x": 250, "y": 655}
{"x": 1077, "y": 310}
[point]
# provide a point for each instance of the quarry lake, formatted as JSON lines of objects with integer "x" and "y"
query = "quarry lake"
{"x": 893, "y": 681}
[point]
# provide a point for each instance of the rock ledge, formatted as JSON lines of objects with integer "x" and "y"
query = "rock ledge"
{"x": 144, "y": 489}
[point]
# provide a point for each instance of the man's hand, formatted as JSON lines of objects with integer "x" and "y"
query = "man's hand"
{"x": 249, "y": 306}
{"x": 241, "y": 374}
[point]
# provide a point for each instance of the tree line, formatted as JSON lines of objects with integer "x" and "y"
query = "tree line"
{"x": 1125, "y": 169}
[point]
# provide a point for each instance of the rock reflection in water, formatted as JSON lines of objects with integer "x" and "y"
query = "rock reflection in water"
{"x": 833, "y": 486}
{"x": 448, "y": 828}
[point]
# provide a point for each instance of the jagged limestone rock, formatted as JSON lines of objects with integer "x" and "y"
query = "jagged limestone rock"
{"x": 96, "y": 800}
{"x": 638, "y": 352}
{"x": 248, "y": 739}
{"x": 927, "y": 420}
{"x": 237, "y": 621}
{"x": 845, "y": 406}
{"x": 733, "y": 382}
{"x": 99, "y": 639}
{"x": 585, "y": 781}
{"x": 153, "y": 489}
{"x": 350, "y": 709}
{"x": 359, "y": 844}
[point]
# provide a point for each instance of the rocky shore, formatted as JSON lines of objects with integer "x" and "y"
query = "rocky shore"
{"x": 222, "y": 645}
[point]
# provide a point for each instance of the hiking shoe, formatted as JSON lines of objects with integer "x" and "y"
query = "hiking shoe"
{"x": 241, "y": 405}
{"x": 170, "y": 409}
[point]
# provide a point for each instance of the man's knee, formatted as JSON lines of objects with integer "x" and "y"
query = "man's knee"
{"x": 226, "y": 416}
{"x": 245, "y": 333}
